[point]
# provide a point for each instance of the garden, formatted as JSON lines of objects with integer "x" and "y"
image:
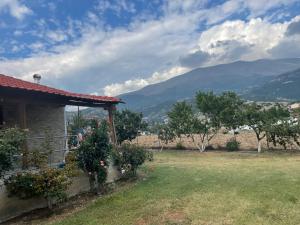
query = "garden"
{"x": 200, "y": 186}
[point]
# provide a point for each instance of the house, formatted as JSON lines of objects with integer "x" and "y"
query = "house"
{"x": 40, "y": 109}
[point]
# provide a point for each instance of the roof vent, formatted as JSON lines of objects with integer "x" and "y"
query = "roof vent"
{"x": 37, "y": 78}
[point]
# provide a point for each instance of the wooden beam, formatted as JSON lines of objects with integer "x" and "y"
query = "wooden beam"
{"x": 112, "y": 124}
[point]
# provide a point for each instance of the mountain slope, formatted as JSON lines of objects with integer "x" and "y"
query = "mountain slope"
{"x": 282, "y": 87}
{"x": 238, "y": 76}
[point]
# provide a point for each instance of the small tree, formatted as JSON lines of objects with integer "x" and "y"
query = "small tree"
{"x": 206, "y": 131}
{"x": 165, "y": 135}
{"x": 181, "y": 119}
{"x": 231, "y": 112}
{"x": 93, "y": 155}
{"x": 260, "y": 119}
{"x": 208, "y": 123}
{"x": 128, "y": 124}
{"x": 284, "y": 133}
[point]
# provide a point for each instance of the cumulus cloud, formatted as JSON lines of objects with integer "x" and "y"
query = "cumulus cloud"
{"x": 240, "y": 40}
{"x": 294, "y": 27}
{"x": 133, "y": 85}
{"x": 117, "y": 60}
{"x": 15, "y": 8}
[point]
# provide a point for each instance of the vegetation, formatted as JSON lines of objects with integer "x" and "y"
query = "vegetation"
{"x": 11, "y": 141}
{"x": 93, "y": 155}
{"x": 129, "y": 157}
{"x": 229, "y": 111}
{"x": 232, "y": 145}
{"x": 261, "y": 120}
{"x": 128, "y": 124}
{"x": 209, "y": 188}
{"x": 49, "y": 183}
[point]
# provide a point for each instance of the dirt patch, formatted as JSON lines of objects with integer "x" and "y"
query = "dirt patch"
{"x": 176, "y": 218}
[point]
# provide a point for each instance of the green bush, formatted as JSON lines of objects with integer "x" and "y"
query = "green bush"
{"x": 11, "y": 141}
{"x": 50, "y": 184}
{"x": 179, "y": 146}
{"x": 22, "y": 185}
{"x": 129, "y": 157}
{"x": 232, "y": 145}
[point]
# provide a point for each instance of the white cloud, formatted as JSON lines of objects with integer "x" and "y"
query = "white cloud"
{"x": 133, "y": 85}
{"x": 109, "y": 60}
{"x": 240, "y": 40}
{"x": 15, "y": 8}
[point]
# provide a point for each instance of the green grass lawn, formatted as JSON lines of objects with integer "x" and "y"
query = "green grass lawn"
{"x": 204, "y": 188}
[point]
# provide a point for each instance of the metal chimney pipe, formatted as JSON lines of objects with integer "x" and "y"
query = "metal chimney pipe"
{"x": 37, "y": 78}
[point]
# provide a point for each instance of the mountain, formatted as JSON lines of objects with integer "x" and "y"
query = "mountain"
{"x": 282, "y": 87}
{"x": 240, "y": 76}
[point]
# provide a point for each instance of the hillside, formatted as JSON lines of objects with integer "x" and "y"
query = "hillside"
{"x": 263, "y": 80}
{"x": 238, "y": 76}
{"x": 282, "y": 87}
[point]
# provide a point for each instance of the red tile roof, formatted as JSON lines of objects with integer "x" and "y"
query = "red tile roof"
{"x": 11, "y": 82}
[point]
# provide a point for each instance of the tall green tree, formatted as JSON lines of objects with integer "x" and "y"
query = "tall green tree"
{"x": 128, "y": 124}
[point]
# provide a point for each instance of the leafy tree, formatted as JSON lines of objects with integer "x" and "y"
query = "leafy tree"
{"x": 128, "y": 124}
{"x": 205, "y": 129}
{"x": 208, "y": 123}
{"x": 181, "y": 119}
{"x": 165, "y": 135}
{"x": 260, "y": 119}
{"x": 93, "y": 155}
{"x": 231, "y": 112}
{"x": 284, "y": 133}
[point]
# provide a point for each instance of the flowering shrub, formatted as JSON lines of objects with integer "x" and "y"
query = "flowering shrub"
{"x": 129, "y": 157}
{"x": 93, "y": 155}
{"x": 50, "y": 184}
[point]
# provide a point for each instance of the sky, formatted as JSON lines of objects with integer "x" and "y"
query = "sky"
{"x": 110, "y": 47}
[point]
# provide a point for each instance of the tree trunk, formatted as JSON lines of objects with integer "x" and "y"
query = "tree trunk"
{"x": 162, "y": 147}
{"x": 259, "y": 146}
{"x": 50, "y": 203}
{"x": 202, "y": 147}
{"x": 92, "y": 181}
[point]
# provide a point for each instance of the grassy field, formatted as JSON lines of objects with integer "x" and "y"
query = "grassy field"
{"x": 204, "y": 188}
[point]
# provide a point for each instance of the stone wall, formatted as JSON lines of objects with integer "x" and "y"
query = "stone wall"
{"x": 247, "y": 141}
{"x": 47, "y": 123}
